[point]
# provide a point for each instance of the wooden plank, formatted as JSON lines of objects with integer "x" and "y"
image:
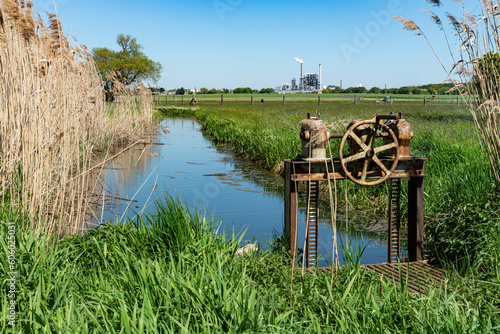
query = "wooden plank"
{"x": 419, "y": 275}
{"x": 416, "y": 219}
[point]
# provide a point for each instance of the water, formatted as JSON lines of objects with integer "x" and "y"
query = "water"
{"x": 209, "y": 176}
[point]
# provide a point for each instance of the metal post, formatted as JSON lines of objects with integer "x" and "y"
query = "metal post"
{"x": 291, "y": 202}
{"x": 416, "y": 218}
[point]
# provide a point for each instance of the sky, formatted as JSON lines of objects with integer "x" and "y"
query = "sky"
{"x": 252, "y": 43}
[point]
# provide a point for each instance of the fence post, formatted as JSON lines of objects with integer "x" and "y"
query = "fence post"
{"x": 174, "y": 100}
{"x": 458, "y": 102}
{"x": 182, "y": 100}
{"x": 425, "y": 101}
{"x": 283, "y": 99}
{"x": 355, "y": 100}
{"x": 251, "y": 101}
{"x": 319, "y": 100}
{"x": 222, "y": 99}
{"x": 390, "y": 100}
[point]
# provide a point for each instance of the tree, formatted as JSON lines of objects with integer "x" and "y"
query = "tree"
{"x": 404, "y": 90}
{"x": 416, "y": 90}
{"x": 130, "y": 62}
{"x": 266, "y": 91}
{"x": 180, "y": 91}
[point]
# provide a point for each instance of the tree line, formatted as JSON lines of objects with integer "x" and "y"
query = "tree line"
{"x": 430, "y": 89}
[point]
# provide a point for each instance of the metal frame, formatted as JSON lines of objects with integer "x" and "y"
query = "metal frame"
{"x": 315, "y": 171}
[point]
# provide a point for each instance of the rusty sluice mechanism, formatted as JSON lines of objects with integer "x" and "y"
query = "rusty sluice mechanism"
{"x": 370, "y": 152}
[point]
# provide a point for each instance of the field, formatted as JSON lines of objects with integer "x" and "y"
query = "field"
{"x": 267, "y": 132}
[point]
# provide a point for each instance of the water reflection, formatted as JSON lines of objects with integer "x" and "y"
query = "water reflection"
{"x": 210, "y": 176}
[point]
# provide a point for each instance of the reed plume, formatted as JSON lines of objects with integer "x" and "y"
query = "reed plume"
{"x": 478, "y": 67}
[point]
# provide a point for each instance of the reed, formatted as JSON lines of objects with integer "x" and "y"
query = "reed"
{"x": 52, "y": 119}
{"x": 477, "y": 64}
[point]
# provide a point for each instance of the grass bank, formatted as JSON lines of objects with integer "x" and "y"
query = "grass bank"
{"x": 457, "y": 167}
{"x": 172, "y": 273}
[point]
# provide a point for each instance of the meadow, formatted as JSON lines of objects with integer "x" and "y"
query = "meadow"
{"x": 267, "y": 132}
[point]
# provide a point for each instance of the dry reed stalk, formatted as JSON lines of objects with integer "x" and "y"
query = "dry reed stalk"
{"x": 52, "y": 119}
{"x": 478, "y": 67}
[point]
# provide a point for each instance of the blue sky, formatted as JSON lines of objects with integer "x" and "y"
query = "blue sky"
{"x": 235, "y": 43}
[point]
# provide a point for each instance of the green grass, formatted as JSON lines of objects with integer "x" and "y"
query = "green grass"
{"x": 172, "y": 273}
{"x": 457, "y": 168}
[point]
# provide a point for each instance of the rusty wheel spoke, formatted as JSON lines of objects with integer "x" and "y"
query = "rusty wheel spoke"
{"x": 355, "y": 157}
{"x": 365, "y": 171}
{"x": 359, "y": 141}
{"x": 380, "y": 164}
{"x": 385, "y": 147}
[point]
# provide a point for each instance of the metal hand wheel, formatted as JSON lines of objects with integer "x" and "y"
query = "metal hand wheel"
{"x": 370, "y": 154}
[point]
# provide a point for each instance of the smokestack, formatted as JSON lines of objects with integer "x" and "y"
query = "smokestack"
{"x": 298, "y": 60}
{"x": 320, "y": 87}
{"x": 340, "y": 84}
{"x": 302, "y": 76}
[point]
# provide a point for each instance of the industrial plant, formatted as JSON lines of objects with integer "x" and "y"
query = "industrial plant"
{"x": 310, "y": 82}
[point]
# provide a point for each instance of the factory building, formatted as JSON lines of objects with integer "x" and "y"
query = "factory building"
{"x": 309, "y": 82}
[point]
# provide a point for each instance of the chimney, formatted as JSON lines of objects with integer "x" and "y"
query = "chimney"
{"x": 301, "y": 76}
{"x": 320, "y": 77}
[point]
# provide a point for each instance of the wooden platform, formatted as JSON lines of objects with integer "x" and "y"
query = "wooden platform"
{"x": 419, "y": 276}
